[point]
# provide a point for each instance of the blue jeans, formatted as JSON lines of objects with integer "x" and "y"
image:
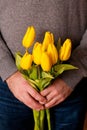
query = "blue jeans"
{"x": 14, "y": 115}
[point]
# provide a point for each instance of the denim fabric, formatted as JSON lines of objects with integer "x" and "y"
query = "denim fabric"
{"x": 69, "y": 115}
{"x": 14, "y": 115}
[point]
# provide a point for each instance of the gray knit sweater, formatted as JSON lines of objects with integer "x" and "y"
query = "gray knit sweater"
{"x": 65, "y": 18}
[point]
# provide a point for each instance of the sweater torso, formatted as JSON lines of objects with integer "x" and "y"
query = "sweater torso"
{"x": 64, "y": 18}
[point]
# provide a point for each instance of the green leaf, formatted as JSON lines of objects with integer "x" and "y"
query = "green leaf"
{"x": 33, "y": 73}
{"x": 32, "y": 82}
{"x": 47, "y": 75}
{"x": 42, "y": 83}
{"x": 18, "y": 57}
{"x": 59, "y": 69}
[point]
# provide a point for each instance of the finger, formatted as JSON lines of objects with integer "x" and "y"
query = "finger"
{"x": 56, "y": 100}
{"x": 31, "y": 102}
{"x": 50, "y": 103}
{"x": 46, "y": 91}
{"x": 36, "y": 95}
{"x": 53, "y": 102}
{"x": 52, "y": 95}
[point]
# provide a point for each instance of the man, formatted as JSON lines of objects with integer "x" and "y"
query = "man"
{"x": 66, "y": 19}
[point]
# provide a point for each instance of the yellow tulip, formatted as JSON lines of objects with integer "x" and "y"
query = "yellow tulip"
{"x": 53, "y": 53}
{"x": 46, "y": 62}
{"x": 29, "y": 37}
{"x": 26, "y": 61}
{"x": 65, "y": 50}
{"x": 48, "y": 39}
{"x": 37, "y": 52}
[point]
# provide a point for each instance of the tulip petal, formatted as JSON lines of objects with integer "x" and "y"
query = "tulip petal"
{"x": 37, "y": 52}
{"x": 65, "y": 50}
{"x": 52, "y": 52}
{"x": 48, "y": 39}
{"x": 26, "y": 61}
{"x": 29, "y": 37}
{"x": 46, "y": 62}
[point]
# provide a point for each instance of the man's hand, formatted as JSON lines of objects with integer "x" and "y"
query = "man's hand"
{"x": 24, "y": 92}
{"x": 56, "y": 93}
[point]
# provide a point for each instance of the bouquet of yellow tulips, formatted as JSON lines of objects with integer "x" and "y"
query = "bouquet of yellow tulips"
{"x": 43, "y": 65}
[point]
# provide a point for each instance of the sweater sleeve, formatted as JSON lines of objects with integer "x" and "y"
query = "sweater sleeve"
{"x": 7, "y": 65}
{"x": 79, "y": 59}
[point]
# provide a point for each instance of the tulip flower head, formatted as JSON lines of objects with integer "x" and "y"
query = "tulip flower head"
{"x": 26, "y": 61}
{"x": 46, "y": 62}
{"x": 29, "y": 37}
{"x": 48, "y": 39}
{"x": 53, "y": 53}
{"x": 37, "y": 53}
{"x": 65, "y": 50}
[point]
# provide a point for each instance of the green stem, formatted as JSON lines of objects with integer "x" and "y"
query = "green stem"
{"x": 48, "y": 119}
{"x": 42, "y": 115}
{"x": 39, "y": 119}
{"x": 36, "y": 115}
